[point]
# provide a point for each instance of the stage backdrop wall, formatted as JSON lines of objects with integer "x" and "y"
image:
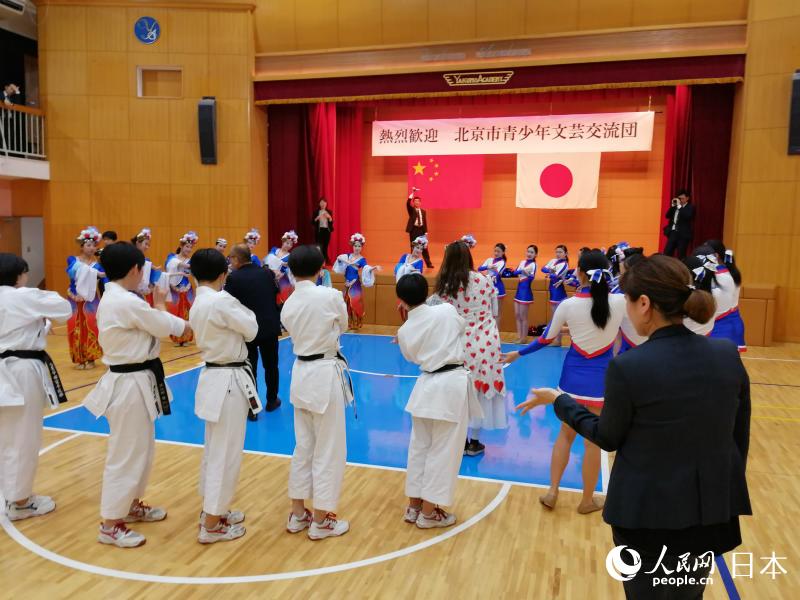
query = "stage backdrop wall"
{"x": 629, "y": 196}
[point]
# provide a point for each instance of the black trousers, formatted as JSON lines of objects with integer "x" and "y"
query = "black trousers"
{"x": 677, "y": 243}
{"x": 323, "y": 237}
{"x": 414, "y": 234}
{"x": 268, "y": 348}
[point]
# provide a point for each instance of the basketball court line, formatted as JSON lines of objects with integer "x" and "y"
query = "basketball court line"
{"x": 35, "y": 548}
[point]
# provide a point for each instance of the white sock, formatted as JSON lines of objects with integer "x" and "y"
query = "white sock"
{"x": 474, "y": 433}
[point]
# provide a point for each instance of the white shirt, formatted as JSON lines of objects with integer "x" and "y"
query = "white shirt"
{"x": 576, "y": 313}
{"x": 130, "y": 329}
{"x": 24, "y": 314}
{"x": 221, "y": 327}
{"x": 725, "y": 293}
{"x": 419, "y": 217}
{"x": 315, "y": 317}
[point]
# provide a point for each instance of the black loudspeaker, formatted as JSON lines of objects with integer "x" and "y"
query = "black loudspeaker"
{"x": 207, "y": 129}
{"x": 794, "y": 116}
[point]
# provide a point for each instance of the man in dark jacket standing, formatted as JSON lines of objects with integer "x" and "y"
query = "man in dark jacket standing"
{"x": 680, "y": 227}
{"x": 255, "y": 287}
{"x": 417, "y": 224}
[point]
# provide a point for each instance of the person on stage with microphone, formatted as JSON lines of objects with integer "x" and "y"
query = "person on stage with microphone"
{"x": 417, "y": 225}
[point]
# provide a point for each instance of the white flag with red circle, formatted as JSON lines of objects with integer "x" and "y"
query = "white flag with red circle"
{"x": 558, "y": 180}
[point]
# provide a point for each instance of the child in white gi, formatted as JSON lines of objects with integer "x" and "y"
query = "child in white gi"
{"x": 221, "y": 326}
{"x": 28, "y": 382}
{"x": 315, "y": 317}
{"x": 132, "y": 394}
{"x": 441, "y": 404}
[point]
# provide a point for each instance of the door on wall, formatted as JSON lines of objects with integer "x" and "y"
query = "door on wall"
{"x": 10, "y": 240}
{"x": 32, "y": 249}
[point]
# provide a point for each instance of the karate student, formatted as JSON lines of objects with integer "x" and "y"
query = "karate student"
{"x": 315, "y": 316}
{"x": 132, "y": 393}
{"x": 225, "y": 390}
{"x": 28, "y": 382}
{"x": 441, "y": 403}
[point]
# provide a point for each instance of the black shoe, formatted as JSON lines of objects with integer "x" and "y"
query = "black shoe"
{"x": 466, "y": 445}
{"x": 474, "y": 448}
{"x": 251, "y": 416}
{"x": 273, "y": 405}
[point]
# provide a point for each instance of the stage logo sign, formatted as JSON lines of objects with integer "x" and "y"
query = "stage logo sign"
{"x": 481, "y": 78}
{"x": 603, "y": 132}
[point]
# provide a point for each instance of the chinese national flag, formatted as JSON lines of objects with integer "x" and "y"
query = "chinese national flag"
{"x": 453, "y": 181}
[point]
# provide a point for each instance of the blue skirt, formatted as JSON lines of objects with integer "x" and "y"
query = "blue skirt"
{"x": 584, "y": 378}
{"x": 524, "y": 293}
{"x": 624, "y": 345}
{"x": 730, "y": 327}
{"x": 557, "y": 294}
{"x": 501, "y": 287}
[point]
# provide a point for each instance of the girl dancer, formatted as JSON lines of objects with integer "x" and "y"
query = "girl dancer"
{"x": 150, "y": 274}
{"x": 252, "y": 238}
{"x": 221, "y": 245}
{"x": 494, "y": 267}
{"x": 182, "y": 293}
{"x": 83, "y": 271}
{"x": 356, "y": 273}
{"x": 728, "y": 321}
{"x": 277, "y": 261}
{"x": 626, "y": 258}
{"x": 523, "y": 299}
{"x": 460, "y": 285}
{"x": 703, "y": 270}
{"x": 556, "y": 271}
{"x": 593, "y": 316}
{"x": 470, "y": 241}
{"x": 410, "y": 263}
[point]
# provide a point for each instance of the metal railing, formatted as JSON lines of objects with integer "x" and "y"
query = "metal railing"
{"x": 22, "y": 132}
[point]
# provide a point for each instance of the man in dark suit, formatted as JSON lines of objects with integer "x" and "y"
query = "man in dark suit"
{"x": 255, "y": 287}
{"x": 417, "y": 223}
{"x": 680, "y": 227}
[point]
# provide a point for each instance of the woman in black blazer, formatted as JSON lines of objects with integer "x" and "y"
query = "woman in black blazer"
{"x": 677, "y": 412}
{"x": 322, "y": 220}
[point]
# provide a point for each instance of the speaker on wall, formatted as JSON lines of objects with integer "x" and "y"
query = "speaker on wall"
{"x": 207, "y": 129}
{"x": 794, "y": 116}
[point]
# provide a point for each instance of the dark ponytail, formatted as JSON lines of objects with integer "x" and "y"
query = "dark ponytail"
{"x": 726, "y": 260}
{"x": 702, "y": 279}
{"x": 613, "y": 259}
{"x": 601, "y": 312}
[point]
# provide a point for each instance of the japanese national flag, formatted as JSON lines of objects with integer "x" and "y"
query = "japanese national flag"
{"x": 558, "y": 180}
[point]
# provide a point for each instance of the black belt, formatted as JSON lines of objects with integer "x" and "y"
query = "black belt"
{"x": 44, "y": 357}
{"x": 445, "y": 368}
{"x": 245, "y": 364}
{"x": 156, "y": 367}
{"x": 312, "y": 357}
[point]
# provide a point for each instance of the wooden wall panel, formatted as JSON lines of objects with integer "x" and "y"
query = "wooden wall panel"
{"x": 456, "y": 21}
{"x": 404, "y": 21}
{"x": 275, "y": 25}
{"x": 107, "y": 74}
{"x": 67, "y": 117}
{"x": 62, "y": 27}
{"x": 492, "y": 23}
{"x": 107, "y": 29}
{"x": 359, "y": 23}
{"x": 64, "y": 72}
{"x": 317, "y": 26}
{"x": 658, "y": 12}
{"x": 189, "y": 33}
{"x": 149, "y": 119}
{"x": 108, "y": 118}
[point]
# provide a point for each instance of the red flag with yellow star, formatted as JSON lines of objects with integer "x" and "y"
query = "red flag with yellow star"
{"x": 453, "y": 181}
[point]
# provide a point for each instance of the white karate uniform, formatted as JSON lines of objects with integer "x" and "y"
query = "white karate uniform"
{"x": 130, "y": 331}
{"x": 25, "y": 385}
{"x": 315, "y": 317}
{"x": 221, "y": 327}
{"x": 441, "y": 404}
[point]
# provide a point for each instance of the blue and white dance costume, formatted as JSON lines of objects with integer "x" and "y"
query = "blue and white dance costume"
{"x": 556, "y": 271}
{"x": 257, "y": 261}
{"x": 526, "y": 271}
{"x": 728, "y": 322}
{"x": 495, "y": 267}
{"x": 407, "y": 265}
{"x": 584, "y": 369}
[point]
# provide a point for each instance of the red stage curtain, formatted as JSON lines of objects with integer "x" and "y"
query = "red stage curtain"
{"x": 677, "y": 149}
{"x": 349, "y": 157}
{"x": 322, "y": 133}
{"x": 711, "y": 123}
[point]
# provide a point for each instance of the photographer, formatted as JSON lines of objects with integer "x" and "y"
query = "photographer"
{"x": 680, "y": 229}
{"x": 11, "y": 94}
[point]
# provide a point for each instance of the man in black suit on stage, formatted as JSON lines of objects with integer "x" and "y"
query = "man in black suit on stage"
{"x": 255, "y": 287}
{"x": 680, "y": 227}
{"x": 417, "y": 223}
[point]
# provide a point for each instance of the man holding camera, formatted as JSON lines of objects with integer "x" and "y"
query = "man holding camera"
{"x": 680, "y": 228}
{"x": 417, "y": 223}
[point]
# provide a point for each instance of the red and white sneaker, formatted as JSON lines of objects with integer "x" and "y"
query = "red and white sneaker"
{"x": 439, "y": 518}
{"x": 295, "y": 524}
{"x": 330, "y": 527}
{"x": 145, "y": 514}
{"x": 223, "y": 532}
{"x": 120, "y": 536}
{"x": 36, "y": 506}
{"x": 412, "y": 514}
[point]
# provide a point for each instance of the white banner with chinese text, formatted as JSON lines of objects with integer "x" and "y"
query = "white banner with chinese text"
{"x": 601, "y": 132}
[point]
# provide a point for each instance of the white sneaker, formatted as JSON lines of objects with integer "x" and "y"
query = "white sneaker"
{"x": 223, "y": 532}
{"x": 439, "y": 518}
{"x": 233, "y": 517}
{"x": 330, "y": 527}
{"x": 120, "y": 536}
{"x": 36, "y": 506}
{"x": 146, "y": 514}
{"x": 296, "y": 525}
{"x": 411, "y": 514}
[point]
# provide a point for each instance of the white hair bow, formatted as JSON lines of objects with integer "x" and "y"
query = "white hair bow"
{"x": 595, "y": 275}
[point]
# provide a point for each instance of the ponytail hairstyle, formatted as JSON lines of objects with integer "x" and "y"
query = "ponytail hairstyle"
{"x": 613, "y": 259}
{"x": 566, "y": 253}
{"x": 708, "y": 257}
{"x": 668, "y": 284}
{"x": 726, "y": 258}
{"x": 502, "y": 247}
{"x": 595, "y": 266}
{"x": 701, "y": 276}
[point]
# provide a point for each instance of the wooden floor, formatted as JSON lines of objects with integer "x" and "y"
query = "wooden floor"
{"x": 516, "y": 550}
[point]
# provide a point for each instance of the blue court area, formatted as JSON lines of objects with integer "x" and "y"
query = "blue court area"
{"x": 380, "y": 433}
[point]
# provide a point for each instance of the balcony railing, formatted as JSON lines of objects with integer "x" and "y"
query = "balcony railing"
{"x": 22, "y": 132}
